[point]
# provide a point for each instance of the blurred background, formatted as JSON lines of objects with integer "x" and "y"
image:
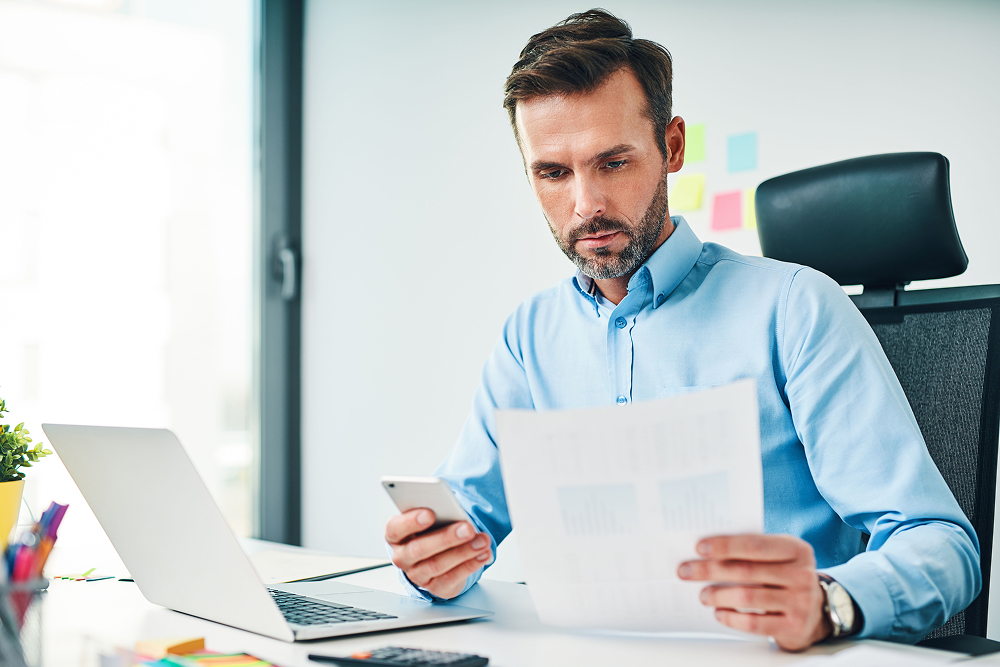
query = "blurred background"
{"x": 133, "y": 250}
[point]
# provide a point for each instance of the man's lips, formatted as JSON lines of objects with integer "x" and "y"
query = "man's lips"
{"x": 598, "y": 240}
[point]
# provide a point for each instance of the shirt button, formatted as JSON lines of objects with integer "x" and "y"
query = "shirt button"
{"x": 622, "y": 400}
{"x": 660, "y": 299}
{"x": 620, "y": 323}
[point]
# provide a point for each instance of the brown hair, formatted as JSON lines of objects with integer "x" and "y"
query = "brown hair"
{"x": 579, "y": 54}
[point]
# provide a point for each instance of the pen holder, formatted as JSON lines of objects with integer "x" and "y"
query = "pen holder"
{"x": 21, "y": 623}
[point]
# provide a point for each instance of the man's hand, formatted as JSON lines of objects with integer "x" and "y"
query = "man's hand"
{"x": 440, "y": 561}
{"x": 773, "y": 574}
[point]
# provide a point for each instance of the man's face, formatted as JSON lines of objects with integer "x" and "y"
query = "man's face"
{"x": 594, "y": 165}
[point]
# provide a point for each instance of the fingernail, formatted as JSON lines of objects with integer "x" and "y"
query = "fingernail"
{"x": 483, "y": 556}
{"x": 479, "y": 542}
{"x": 425, "y": 519}
{"x": 704, "y": 596}
{"x": 462, "y": 531}
{"x": 705, "y": 548}
{"x": 684, "y": 571}
{"x": 718, "y": 614}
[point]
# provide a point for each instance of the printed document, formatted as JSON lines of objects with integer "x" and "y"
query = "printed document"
{"x": 608, "y": 501}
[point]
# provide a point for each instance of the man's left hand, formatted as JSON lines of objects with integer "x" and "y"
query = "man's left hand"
{"x": 768, "y": 586}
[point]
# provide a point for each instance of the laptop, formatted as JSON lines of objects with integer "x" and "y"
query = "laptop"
{"x": 182, "y": 554}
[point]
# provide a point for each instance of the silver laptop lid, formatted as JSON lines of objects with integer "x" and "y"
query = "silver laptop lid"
{"x": 165, "y": 525}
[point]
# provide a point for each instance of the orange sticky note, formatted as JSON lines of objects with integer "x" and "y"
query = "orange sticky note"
{"x": 159, "y": 648}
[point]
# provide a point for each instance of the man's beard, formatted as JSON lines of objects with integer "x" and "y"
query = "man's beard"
{"x": 641, "y": 239}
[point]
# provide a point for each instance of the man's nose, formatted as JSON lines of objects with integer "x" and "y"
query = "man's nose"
{"x": 590, "y": 200}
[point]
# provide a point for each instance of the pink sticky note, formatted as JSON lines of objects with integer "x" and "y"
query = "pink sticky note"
{"x": 727, "y": 210}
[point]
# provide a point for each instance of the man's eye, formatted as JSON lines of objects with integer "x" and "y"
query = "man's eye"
{"x": 614, "y": 165}
{"x": 555, "y": 173}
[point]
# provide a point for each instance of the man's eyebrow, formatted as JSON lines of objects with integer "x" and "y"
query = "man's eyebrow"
{"x": 614, "y": 150}
{"x": 541, "y": 165}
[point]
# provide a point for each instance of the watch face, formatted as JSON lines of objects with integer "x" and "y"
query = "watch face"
{"x": 841, "y": 608}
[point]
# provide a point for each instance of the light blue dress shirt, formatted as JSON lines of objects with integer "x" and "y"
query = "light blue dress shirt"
{"x": 842, "y": 452}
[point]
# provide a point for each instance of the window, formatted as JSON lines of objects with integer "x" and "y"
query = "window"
{"x": 126, "y": 230}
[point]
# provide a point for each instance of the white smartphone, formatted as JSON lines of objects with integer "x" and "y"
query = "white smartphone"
{"x": 432, "y": 493}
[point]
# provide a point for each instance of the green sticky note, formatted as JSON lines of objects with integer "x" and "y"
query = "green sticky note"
{"x": 686, "y": 193}
{"x": 694, "y": 145}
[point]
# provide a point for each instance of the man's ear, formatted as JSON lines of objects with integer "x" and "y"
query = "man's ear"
{"x": 674, "y": 136}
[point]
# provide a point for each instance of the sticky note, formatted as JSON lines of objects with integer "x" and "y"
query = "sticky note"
{"x": 686, "y": 193}
{"x": 742, "y": 151}
{"x": 159, "y": 648}
{"x": 727, "y": 210}
{"x": 749, "y": 210}
{"x": 694, "y": 143}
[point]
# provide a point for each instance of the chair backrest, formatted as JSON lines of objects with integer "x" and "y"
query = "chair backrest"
{"x": 883, "y": 221}
{"x": 947, "y": 358}
{"x": 878, "y": 221}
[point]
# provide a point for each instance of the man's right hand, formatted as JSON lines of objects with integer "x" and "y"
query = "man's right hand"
{"x": 440, "y": 561}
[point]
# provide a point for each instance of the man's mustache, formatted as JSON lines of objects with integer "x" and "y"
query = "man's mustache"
{"x": 600, "y": 225}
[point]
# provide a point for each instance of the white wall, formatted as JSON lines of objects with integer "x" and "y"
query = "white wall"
{"x": 421, "y": 233}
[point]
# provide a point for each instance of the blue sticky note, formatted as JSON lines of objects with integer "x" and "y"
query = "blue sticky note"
{"x": 742, "y": 151}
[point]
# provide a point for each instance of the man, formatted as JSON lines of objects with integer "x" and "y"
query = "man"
{"x": 652, "y": 312}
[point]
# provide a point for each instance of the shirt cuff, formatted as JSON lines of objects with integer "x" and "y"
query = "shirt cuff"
{"x": 861, "y": 580}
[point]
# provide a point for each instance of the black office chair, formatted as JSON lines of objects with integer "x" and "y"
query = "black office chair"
{"x": 881, "y": 222}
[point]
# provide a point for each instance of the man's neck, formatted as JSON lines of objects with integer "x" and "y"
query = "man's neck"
{"x": 615, "y": 289}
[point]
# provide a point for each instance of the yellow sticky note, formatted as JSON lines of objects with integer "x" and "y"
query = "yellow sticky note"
{"x": 694, "y": 143}
{"x": 749, "y": 212}
{"x": 686, "y": 193}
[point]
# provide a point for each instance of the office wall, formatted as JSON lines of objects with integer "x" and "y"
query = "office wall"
{"x": 421, "y": 234}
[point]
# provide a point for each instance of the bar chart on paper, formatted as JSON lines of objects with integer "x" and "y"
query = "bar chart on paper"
{"x": 599, "y": 510}
{"x": 698, "y": 504}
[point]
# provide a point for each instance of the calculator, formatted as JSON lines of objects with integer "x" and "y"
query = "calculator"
{"x": 397, "y": 656}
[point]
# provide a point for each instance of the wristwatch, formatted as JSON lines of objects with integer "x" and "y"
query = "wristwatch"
{"x": 839, "y": 607}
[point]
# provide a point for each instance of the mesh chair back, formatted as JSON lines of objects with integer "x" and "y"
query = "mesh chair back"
{"x": 945, "y": 355}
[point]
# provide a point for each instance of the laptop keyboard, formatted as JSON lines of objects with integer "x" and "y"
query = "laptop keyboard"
{"x": 301, "y": 610}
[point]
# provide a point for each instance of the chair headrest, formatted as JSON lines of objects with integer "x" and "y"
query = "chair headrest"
{"x": 878, "y": 221}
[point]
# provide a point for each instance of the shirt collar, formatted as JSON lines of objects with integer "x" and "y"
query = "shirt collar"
{"x": 666, "y": 267}
{"x": 671, "y": 262}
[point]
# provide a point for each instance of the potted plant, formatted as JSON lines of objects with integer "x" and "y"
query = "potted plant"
{"x": 16, "y": 452}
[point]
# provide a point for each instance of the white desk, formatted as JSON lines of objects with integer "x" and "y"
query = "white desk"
{"x": 79, "y": 617}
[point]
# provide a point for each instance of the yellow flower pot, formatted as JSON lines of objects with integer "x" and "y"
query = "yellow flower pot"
{"x": 10, "y": 507}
